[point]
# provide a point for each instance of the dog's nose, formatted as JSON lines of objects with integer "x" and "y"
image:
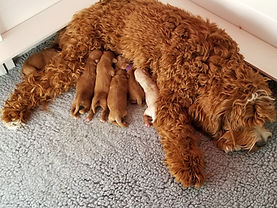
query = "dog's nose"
{"x": 263, "y": 134}
{"x": 261, "y": 143}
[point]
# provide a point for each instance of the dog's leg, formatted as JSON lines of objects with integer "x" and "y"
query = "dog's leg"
{"x": 76, "y": 41}
{"x": 180, "y": 143}
{"x": 35, "y": 89}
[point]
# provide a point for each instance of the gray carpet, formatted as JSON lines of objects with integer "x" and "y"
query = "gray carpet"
{"x": 57, "y": 161}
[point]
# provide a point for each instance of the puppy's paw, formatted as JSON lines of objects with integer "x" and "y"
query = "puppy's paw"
{"x": 90, "y": 116}
{"x": 147, "y": 120}
{"x": 76, "y": 116}
{"x": 103, "y": 120}
{"x": 123, "y": 124}
{"x": 74, "y": 111}
{"x": 82, "y": 111}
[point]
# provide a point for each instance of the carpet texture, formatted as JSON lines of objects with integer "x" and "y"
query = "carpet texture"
{"x": 57, "y": 161}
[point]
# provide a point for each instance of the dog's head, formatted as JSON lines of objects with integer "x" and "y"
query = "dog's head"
{"x": 244, "y": 125}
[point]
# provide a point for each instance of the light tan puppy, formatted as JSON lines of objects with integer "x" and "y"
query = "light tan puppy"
{"x": 85, "y": 85}
{"x": 117, "y": 98}
{"x": 151, "y": 95}
{"x": 38, "y": 61}
{"x": 104, "y": 74}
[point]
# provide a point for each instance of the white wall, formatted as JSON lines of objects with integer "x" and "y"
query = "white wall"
{"x": 14, "y": 12}
{"x": 267, "y": 7}
{"x": 254, "y": 16}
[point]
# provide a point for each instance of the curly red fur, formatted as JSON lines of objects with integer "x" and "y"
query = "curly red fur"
{"x": 202, "y": 77}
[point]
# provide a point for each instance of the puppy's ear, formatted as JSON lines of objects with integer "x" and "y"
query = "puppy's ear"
{"x": 114, "y": 60}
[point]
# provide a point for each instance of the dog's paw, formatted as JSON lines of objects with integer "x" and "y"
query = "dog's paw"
{"x": 10, "y": 118}
{"x": 226, "y": 145}
{"x": 187, "y": 169}
{"x": 13, "y": 124}
{"x": 188, "y": 177}
{"x": 223, "y": 145}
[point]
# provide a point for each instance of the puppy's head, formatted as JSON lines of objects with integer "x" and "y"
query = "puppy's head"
{"x": 121, "y": 73}
{"x": 122, "y": 62}
{"x": 95, "y": 55}
{"x": 109, "y": 56}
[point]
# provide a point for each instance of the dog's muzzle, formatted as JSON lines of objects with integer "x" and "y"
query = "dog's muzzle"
{"x": 262, "y": 135}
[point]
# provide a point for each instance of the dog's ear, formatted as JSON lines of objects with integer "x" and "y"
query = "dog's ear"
{"x": 263, "y": 105}
{"x": 253, "y": 110}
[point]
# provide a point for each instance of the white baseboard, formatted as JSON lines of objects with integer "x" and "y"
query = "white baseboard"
{"x": 32, "y": 31}
{"x": 2, "y": 69}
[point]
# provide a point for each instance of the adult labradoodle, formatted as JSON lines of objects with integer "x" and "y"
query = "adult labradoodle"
{"x": 202, "y": 78}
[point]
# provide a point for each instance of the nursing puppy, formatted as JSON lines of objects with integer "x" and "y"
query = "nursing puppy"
{"x": 117, "y": 98}
{"x": 135, "y": 92}
{"x": 151, "y": 95}
{"x": 38, "y": 61}
{"x": 85, "y": 85}
{"x": 104, "y": 74}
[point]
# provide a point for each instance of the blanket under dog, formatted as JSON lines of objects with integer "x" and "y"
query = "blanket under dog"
{"x": 57, "y": 161}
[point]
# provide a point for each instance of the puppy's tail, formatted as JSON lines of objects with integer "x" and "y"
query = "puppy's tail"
{"x": 94, "y": 104}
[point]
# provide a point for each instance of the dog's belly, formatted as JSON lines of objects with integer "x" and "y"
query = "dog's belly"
{"x": 139, "y": 36}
